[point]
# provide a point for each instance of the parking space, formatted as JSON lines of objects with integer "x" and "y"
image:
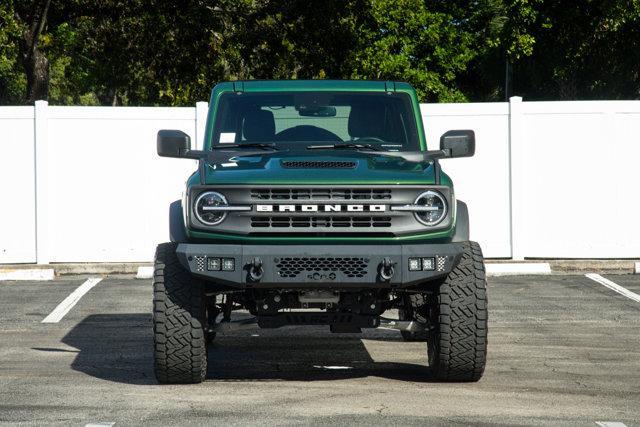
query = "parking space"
{"x": 562, "y": 350}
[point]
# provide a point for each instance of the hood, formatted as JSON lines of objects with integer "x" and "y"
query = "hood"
{"x": 313, "y": 168}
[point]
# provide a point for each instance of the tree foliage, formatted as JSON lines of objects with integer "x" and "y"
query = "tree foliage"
{"x": 165, "y": 52}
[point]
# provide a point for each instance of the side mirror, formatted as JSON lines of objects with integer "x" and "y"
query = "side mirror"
{"x": 458, "y": 143}
{"x": 173, "y": 143}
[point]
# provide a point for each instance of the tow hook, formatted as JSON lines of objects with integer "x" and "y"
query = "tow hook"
{"x": 255, "y": 269}
{"x": 387, "y": 269}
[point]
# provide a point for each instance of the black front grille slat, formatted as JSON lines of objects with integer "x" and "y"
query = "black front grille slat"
{"x": 292, "y": 267}
{"x": 319, "y": 194}
{"x": 315, "y": 164}
{"x": 278, "y": 221}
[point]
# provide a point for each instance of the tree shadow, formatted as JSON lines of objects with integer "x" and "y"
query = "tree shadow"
{"x": 119, "y": 348}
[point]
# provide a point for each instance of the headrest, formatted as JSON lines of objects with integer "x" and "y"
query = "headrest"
{"x": 259, "y": 126}
{"x": 366, "y": 120}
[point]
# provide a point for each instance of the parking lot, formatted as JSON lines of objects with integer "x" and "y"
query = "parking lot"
{"x": 562, "y": 350}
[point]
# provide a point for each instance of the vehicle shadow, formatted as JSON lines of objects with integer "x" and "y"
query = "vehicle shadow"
{"x": 114, "y": 347}
{"x": 119, "y": 348}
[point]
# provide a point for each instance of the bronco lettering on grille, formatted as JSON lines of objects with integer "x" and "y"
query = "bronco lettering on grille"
{"x": 321, "y": 208}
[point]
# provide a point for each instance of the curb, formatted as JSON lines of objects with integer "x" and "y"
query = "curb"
{"x": 32, "y": 274}
{"x": 144, "y": 273}
{"x": 517, "y": 268}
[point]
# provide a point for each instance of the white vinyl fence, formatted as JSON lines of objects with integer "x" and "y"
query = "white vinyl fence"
{"x": 549, "y": 179}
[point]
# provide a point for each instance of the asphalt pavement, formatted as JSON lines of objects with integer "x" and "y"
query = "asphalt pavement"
{"x": 563, "y": 350}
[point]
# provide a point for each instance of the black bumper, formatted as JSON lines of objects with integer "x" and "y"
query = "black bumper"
{"x": 317, "y": 266}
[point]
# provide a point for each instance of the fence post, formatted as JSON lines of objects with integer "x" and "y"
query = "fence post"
{"x": 516, "y": 178}
{"x": 202, "y": 109}
{"x": 41, "y": 153}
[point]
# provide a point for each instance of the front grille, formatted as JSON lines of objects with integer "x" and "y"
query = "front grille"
{"x": 314, "y": 164}
{"x": 292, "y": 267}
{"x": 337, "y": 210}
{"x": 320, "y": 194}
{"x": 320, "y": 221}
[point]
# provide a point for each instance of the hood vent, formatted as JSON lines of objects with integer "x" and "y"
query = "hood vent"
{"x": 316, "y": 164}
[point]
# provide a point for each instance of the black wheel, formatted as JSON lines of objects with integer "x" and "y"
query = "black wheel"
{"x": 415, "y": 308}
{"x": 179, "y": 310}
{"x": 457, "y": 344}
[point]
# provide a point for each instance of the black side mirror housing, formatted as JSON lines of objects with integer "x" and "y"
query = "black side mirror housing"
{"x": 458, "y": 143}
{"x": 173, "y": 143}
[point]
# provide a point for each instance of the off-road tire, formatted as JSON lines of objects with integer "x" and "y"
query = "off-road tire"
{"x": 180, "y": 348}
{"x": 457, "y": 344}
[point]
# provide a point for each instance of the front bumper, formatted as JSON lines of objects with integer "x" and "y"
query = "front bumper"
{"x": 317, "y": 266}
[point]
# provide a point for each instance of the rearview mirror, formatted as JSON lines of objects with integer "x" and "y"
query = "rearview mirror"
{"x": 458, "y": 143}
{"x": 173, "y": 143}
{"x": 316, "y": 111}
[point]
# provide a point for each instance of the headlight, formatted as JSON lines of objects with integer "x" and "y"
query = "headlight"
{"x": 207, "y": 208}
{"x": 437, "y": 208}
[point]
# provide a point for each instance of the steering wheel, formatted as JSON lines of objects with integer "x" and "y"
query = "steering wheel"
{"x": 371, "y": 138}
{"x": 307, "y": 133}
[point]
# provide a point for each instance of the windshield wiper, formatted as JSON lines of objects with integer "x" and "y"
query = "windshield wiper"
{"x": 410, "y": 156}
{"x": 344, "y": 146}
{"x": 264, "y": 145}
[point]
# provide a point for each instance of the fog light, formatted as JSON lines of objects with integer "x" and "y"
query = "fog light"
{"x": 428, "y": 264}
{"x": 414, "y": 264}
{"x": 213, "y": 264}
{"x": 228, "y": 264}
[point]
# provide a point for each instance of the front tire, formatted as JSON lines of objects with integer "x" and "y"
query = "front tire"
{"x": 457, "y": 344}
{"x": 180, "y": 347}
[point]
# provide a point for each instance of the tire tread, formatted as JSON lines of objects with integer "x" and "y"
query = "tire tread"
{"x": 460, "y": 352}
{"x": 180, "y": 351}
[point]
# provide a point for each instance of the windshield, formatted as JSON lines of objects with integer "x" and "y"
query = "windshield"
{"x": 299, "y": 119}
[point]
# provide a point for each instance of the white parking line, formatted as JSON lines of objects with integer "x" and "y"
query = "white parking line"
{"x": 610, "y": 424}
{"x": 613, "y": 286}
{"x": 68, "y": 303}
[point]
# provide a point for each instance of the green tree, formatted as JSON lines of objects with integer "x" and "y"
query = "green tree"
{"x": 411, "y": 40}
{"x": 21, "y": 29}
{"x": 291, "y": 39}
{"x": 163, "y": 52}
{"x": 13, "y": 82}
{"x": 31, "y": 16}
{"x": 583, "y": 50}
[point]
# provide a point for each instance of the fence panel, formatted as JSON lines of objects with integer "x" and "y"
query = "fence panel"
{"x": 109, "y": 192}
{"x": 17, "y": 185}
{"x": 580, "y": 179}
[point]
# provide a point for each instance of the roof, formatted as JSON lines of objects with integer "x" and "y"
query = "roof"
{"x": 304, "y": 85}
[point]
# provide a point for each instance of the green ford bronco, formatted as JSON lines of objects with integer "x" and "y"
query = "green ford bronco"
{"x": 318, "y": 203}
